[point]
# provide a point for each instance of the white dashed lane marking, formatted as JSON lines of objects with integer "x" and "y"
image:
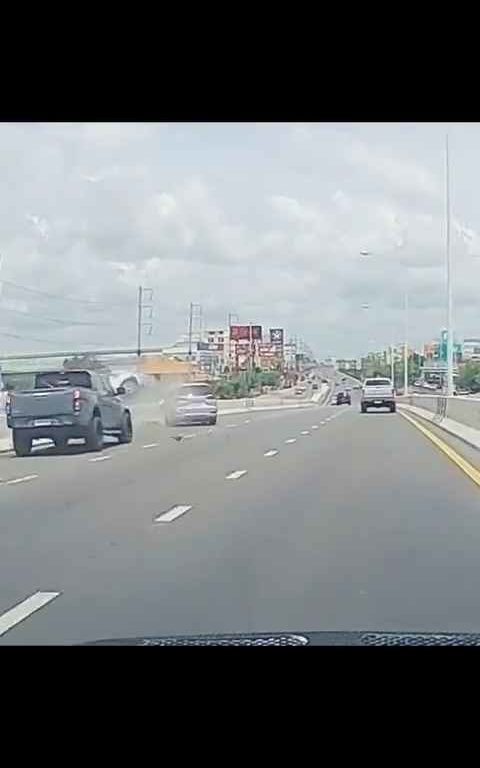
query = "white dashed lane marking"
{"x": 291, "y": 440}
{"x": 237, "y": 474}
{"x": 173, "y": 513}
{"x": 24, "y": 609}
{"x": 314, "y": 426}
{"x": 101, "y": 458}
{"x": 21, "y": 479}
{"x": 150, "y": 445}
{"x": 305, "y": 432}
{"x": 270, "y": 453}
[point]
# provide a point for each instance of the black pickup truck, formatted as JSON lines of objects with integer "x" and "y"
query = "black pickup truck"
{"x": 65, "y": 404}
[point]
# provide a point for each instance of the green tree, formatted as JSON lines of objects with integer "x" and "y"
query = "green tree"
{"x": 469, "y": 376}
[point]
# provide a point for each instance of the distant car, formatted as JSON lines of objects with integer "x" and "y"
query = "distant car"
{"x": 343, "y": 398}
{"x": 192, "y": 403}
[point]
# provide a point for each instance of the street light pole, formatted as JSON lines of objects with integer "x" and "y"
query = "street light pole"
{"x": 449, "y": 276}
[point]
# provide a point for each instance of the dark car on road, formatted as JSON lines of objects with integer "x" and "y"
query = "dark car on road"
{"x": 192, "y": 403}
{"x": 343, "y": 398}
{"x": 64, "y": 405}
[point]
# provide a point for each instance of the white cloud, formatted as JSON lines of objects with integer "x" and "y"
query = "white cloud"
{"x": 223, "y": 218}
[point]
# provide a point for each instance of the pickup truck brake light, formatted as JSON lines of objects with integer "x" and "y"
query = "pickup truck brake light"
{"x": 76, "y": 400}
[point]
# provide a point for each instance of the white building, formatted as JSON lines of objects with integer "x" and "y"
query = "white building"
{"x": 471, "y": 349}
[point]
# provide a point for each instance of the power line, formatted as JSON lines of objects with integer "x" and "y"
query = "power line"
{"x": 52, "y": 319}
{"x": 34, "y": 338}
{"x": 94, "y": 302}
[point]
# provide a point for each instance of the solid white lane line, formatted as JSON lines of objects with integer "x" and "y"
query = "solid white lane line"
{"x": 150, "y": 445}
{"x": 270, "y": 453}
{"x": 101, "y": 458}
{"x": 24, "y": 609}
{"x": 237, "y": 474}
{"x": 172, "y": 514}
{"x": 291, "y": 440}
{"x": 21, "y": 479}
{"x": 305, "y": 432}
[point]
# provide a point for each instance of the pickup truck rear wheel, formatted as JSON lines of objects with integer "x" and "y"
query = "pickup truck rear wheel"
{"x": 22, "y": 442}
{"x": 94, "y": 437}
{"x": 126, "y": 434}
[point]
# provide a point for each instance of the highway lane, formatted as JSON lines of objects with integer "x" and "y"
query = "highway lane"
{"x": 359, "y": 523}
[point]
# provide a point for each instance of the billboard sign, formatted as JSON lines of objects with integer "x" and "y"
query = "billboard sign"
{"x": 242, "y": 332}
{"x": 276, "y": 336}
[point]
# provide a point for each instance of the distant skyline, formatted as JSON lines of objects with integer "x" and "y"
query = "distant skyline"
{"x": 266, "y": 220}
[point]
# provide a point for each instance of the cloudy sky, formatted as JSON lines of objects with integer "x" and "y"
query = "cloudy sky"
{"x": 266, "y": 220}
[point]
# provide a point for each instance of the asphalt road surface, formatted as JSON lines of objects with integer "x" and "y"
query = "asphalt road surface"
{"x": 316, "y": 519}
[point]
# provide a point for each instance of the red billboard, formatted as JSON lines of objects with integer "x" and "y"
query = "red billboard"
{"x": 242, "y": 332}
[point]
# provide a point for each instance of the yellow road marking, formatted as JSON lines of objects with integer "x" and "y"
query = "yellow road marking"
{"x": 464, "y": 465}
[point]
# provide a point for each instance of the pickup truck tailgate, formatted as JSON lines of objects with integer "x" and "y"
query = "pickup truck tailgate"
{"x": 41, "y": 403}
{"x": 377, "y": 393}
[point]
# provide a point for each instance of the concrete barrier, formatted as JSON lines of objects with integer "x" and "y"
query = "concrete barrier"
{"x": 464, "y": 410}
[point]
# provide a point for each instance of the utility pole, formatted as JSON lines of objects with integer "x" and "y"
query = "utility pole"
{"x": 405, "y": 349}
{"x": 195, "y": 314}
{"x": 231, "y": 316}
{"x": 139, "y": 321}
{"x": 144, "y": 295}
{"x": 449, "y": 276}
{"x": 190, "y": 325}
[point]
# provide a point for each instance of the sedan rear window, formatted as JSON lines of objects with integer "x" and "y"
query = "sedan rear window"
{"x": 378, "y": 383}
{"x": 198, "y": 391}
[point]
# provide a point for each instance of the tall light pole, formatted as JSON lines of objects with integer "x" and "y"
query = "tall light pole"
{"x": 449, "y": 275}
